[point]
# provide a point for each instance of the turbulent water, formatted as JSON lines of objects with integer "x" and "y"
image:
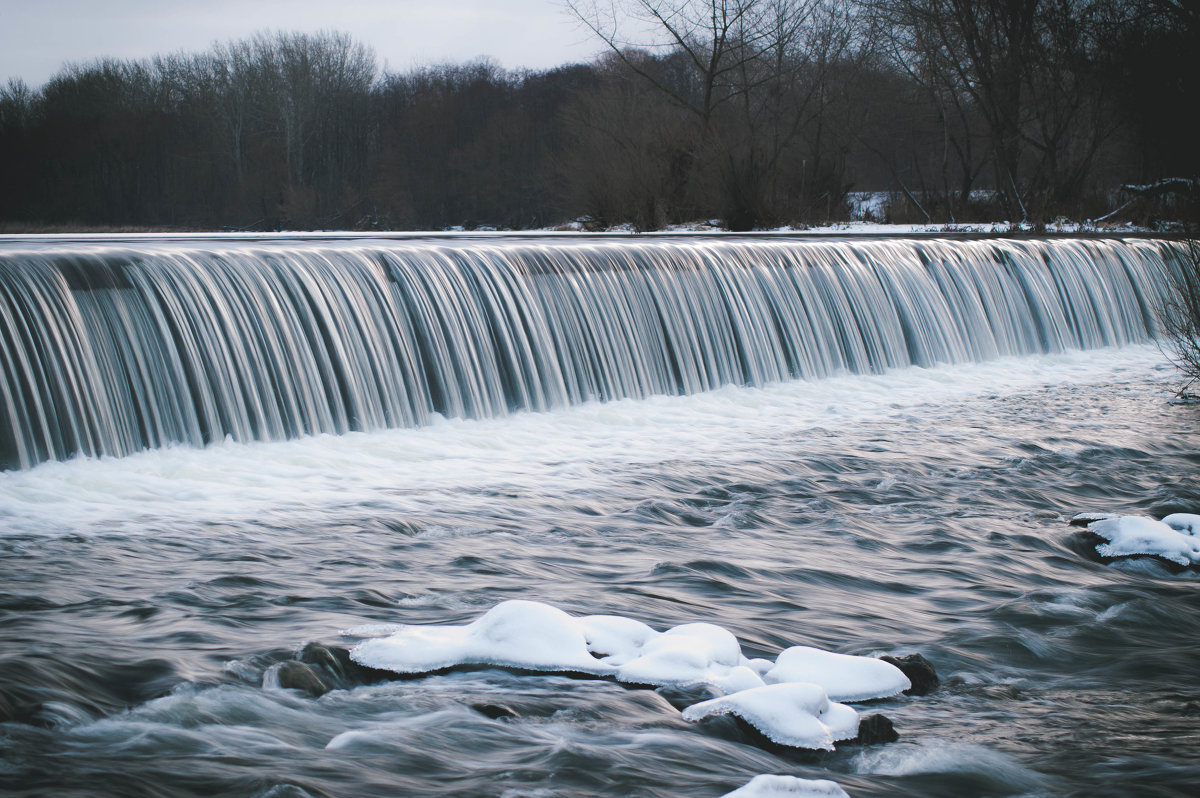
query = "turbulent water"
{"x": 146, "y": 600}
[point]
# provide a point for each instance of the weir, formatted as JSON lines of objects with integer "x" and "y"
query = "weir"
{"x": 107, "y": 349}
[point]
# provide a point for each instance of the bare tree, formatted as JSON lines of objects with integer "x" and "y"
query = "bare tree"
{"x": 718, "y": 37}
{"x": 1180, "y": 318}
{"x": 755, "y": 76}
{"x": 630, "y": 154}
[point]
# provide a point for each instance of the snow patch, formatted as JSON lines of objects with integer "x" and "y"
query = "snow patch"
{"x": 844, "y": 677}
{"x": 793, "y": 709}
{"x": 1186, "y": 523}
{"x": 799, "y": 715}
{"x": 535, "y": 636}
{"x": 768, "y": 786}
{"x": 515, "y": 634}
{"x": 1129, "y": 535}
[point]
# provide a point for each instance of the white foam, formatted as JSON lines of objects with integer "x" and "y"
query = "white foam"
{"x": 797, "y": 715}
{"x": 231, "y": 482}
{"x": 1129, "y": 535}
{"x": 944, "y": 756}
{"x": 844, "y": 677}
{"x": 769, "y": 786}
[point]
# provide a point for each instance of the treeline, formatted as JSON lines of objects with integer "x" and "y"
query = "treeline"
{"x": 754, "y": 112}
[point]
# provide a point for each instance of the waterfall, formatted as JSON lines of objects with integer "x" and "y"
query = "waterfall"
{"x": 108, "y": 349}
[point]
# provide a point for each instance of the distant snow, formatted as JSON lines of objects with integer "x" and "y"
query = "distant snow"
{"x": 769, "y": 786}
{"x": 794, "y": 709}
{"x": 868, "y": 206}
{"x": 1174, "y": 538}
{"x": 988, "y": 228}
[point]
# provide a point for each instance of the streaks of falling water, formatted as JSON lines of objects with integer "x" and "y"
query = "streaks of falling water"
{"x": 106, "y": 351}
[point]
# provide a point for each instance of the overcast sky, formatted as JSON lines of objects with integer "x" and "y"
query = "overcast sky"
{"x": 38, "y": 36}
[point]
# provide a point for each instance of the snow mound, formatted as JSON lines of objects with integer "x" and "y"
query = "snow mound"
{"x": 783, "y": 786}
{"x": 797, "y": 715}
{"x": 695, "y": 653}
{"x": 1187, "y": 523}
{"x": 535, "y": 636}
{"x": 514, "y": 634}
{"x": 788, "y": 700}
{"x": 844, "y": 677}
{"x": 1128, "y": 535}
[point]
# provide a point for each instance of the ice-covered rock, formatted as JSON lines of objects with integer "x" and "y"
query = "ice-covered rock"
{"x": 1129, "y": 535}
{"x": 844, "y": 677}
{"x": 515, "y": 634}
{"x": 797, "y": 715}
{"x": 1187, "y": 523}
{"x": 787, "y": 700}
{"x": 769, "y": 786}
{"x": 694, "y": 653}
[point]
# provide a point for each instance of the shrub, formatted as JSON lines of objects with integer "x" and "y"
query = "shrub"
{"x": 1181, "y": 319}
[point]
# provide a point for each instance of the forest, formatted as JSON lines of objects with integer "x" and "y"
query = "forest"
{"x": 749, "y": 113}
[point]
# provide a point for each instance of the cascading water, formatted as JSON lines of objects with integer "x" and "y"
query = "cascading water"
{"x": 108, "y": 350}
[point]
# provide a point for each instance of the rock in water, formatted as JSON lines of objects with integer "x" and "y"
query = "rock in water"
{"x": 774, "y": 786}
{"x": 875, "y": 729}
{"x": 918, "y": 670}
{"x": 299, "y": 676}
{"x": 319, "y": 655}
{"x": 334, "y": 666}
{"x": 495, "y": 711}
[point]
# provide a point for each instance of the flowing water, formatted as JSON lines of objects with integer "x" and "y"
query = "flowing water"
{"x": 870, "y": 447}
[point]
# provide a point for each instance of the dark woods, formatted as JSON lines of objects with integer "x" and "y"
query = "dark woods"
{"x": 754, "y": 112}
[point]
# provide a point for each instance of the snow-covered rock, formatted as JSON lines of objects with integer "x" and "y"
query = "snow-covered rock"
{"x": 844, "y": 677}
{"x": 798, "y": 715}
{"x": 691, "y": 654}
{"x": 515, "y": 634}
{"x": 535, "y": 636}
{"x": 787, "y": 700}
{"x": 1187, "y": 523}
{"x": 1129, "y": 535}
{"x": 769, "y": 786}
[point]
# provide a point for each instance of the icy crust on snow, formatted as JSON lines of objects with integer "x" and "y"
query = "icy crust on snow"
{"x": 800, "y": 715}
{"x": 789, "y": 700}
{"x": 1175, "y": 538}
{"x": 769, "y": 786}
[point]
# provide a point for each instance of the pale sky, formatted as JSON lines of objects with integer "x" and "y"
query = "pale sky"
{"x": 38, "y": 36}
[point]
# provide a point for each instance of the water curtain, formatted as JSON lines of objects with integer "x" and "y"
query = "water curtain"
{"x": 109, "y": 349}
